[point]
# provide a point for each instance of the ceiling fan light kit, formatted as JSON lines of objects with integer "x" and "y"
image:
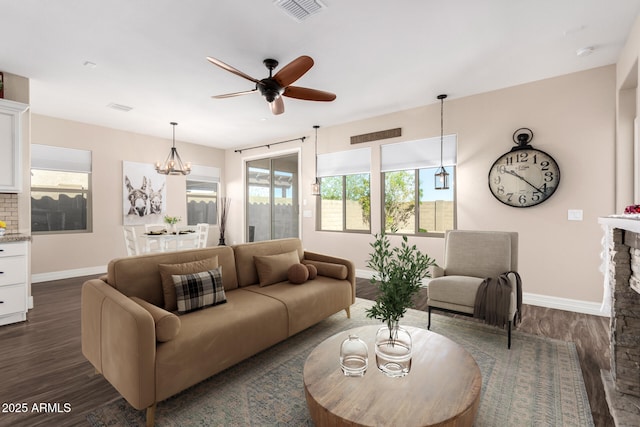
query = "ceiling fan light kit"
{"x": 274, "y": 87}
{"x": 173, "y": 165}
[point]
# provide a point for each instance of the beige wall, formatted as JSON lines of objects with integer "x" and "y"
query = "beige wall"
{"x": 62, "y": 252}
{"x": 573, "y": 118}
{"x": 627, "y": 105}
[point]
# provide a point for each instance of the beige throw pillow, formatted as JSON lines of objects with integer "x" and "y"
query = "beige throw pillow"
{"x": 167, "y": 324}
{"x": 168, "y": 270}
{"x": 273, "y": 268}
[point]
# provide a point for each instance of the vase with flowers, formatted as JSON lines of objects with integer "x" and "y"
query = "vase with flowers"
{"x": 398, "y": 275}
{"x": 3, "y": 227}
{"x": 172, "y": 221}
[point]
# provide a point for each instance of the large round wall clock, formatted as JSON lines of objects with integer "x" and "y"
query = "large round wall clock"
{"x": 524, "y": 176}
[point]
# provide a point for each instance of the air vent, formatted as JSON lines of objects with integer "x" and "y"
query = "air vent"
{"x": 120, "y": 107}
{"x": 300, "y": 9}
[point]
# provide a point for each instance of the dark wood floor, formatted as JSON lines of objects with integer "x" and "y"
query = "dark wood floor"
{"x": 41, "y": 360}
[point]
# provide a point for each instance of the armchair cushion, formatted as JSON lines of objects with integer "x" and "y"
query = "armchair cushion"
{"x": 479, "y": 254}
{"x": 460, "y": 290}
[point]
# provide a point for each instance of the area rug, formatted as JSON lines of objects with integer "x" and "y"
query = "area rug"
{"x": 536, "y": 383}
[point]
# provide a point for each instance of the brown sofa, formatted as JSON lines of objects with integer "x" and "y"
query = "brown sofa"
{"x": 149, "y": 354}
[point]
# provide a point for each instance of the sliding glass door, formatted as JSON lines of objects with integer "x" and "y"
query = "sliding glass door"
{"x": 272, "y": 198}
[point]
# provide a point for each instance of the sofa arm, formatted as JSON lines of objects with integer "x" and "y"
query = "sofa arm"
{"x": 118, "y": 338}
{"x": 351, "y": 268}
{"x": 437, "y": 271}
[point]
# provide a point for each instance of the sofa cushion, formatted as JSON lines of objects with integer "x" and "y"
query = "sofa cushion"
{"x": 244, "y": 254}
{"x": 298, "y": 274}
{"x": 138, "y": 276}
{"x": 313, "y": 271}
{"x": 329, "y": 269}
{"x": 167, "y": 324}
{"x": 273, "y": 268}
{"x": 199, "y": 290}
{"x": 168, "y": 270}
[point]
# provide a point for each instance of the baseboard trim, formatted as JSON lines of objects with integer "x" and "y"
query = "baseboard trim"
{"x": 577, "y": 306}
{"x": 566, "y": 304}
{"x": 67, "y": 274}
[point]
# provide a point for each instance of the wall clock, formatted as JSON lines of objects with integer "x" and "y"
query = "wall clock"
{"x": 524, "y": 176}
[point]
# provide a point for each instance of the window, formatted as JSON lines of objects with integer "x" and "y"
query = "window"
{"x": 345, "y": 191}
{"x": 272, "y": 198}
{"x": 60, "y": 190}
{"x": 411, "y": 204}
{"x": 434, "y": 210}
{"x": 202, "y": 195}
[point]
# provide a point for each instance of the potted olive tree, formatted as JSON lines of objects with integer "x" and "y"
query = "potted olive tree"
{"x": 398, "y": 274}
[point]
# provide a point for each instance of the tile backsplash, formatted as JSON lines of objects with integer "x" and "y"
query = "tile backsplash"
{"x": 9, "y": 211}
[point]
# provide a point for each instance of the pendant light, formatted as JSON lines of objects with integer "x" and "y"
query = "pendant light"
{"x": 315, "y": 187}
{"x": 173, "y": 165}
{"x": 441, "y": 177}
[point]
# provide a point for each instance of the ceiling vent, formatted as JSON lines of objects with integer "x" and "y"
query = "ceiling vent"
{"x": 300, "y": 9}
{"x": 120, "y": 107}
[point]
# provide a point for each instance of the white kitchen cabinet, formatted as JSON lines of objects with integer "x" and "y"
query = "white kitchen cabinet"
{"x": 11, "y": 145}
{"x": 13, "y": 282}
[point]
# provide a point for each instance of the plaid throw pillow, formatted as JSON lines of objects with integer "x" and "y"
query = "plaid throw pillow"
{"x": 199, "y": 290}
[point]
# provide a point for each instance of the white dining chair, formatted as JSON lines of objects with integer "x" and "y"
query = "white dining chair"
{"x": 188, "y": 237}
{"x": 131, "y": 240}
{"x": 202, "y": 230}
{"x": 154, "y": 245}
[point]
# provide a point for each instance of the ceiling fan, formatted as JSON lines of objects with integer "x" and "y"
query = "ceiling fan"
{"x": 273, "y": 88}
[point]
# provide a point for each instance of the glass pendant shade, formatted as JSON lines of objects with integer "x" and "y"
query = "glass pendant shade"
{"x": 441, "y": 179}
{"x": 173, "y": 165}
{"x": 315, "y": 188}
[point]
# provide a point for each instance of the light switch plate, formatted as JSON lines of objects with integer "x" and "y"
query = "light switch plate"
{"x": 574, "y": 215}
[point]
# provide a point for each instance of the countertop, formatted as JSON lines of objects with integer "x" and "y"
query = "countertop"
{"x": 14, "y": 237}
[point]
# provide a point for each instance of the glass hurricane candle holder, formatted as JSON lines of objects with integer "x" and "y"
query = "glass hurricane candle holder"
{"x": 354, "y": 356}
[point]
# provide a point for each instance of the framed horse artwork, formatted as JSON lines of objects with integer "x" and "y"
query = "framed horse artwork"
{"x": 143, "y": 194}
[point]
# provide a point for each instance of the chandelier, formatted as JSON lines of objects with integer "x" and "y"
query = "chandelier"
{"x": 173, "y": 165}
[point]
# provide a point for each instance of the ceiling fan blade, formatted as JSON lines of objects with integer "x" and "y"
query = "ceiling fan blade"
{"x": 308, "y": 94}
{"x": 277, "y": 106}
{"x": 230, "y": 95}
{"x": 293, "y": 70}
{"x": 231, "y": 69}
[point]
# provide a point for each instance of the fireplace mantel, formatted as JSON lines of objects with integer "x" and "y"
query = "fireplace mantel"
{"x": 626, "y": 222}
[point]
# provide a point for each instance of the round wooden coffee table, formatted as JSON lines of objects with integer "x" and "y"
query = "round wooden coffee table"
{"x": 442, "y": 388}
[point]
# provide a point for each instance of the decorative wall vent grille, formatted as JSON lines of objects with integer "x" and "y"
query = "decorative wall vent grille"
{"x": 374, "y": 136}
{"x": 300, "y": 9}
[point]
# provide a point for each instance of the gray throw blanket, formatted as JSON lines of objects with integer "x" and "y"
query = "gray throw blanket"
{"x": 493, "y": 299}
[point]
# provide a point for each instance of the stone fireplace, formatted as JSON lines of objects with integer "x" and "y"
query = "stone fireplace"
{"x": 622, "y": 295}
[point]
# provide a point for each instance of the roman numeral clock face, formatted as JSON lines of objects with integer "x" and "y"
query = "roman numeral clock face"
{"x": 524, "y": 177}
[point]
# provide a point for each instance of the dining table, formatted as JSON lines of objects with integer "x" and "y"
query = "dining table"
{"x": 166, "y": 241}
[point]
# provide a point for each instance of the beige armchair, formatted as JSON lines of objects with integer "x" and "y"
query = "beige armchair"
{"x": 472, "y": 260}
